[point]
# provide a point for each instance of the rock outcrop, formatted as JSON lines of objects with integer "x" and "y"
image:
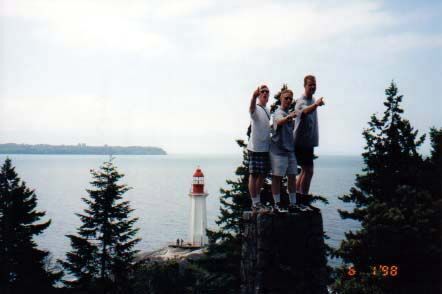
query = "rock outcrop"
{"x": 283, "y": 253}
{"x": 171, "y": 253}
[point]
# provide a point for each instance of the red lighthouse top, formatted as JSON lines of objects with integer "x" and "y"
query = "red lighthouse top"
{"x": 198, "y": 173}
{"x": 198, "y": 182}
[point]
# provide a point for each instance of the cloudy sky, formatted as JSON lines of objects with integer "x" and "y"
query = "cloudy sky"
{"x": 180, "y": 74}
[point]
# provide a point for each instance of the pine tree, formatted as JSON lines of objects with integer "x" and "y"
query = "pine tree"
{"x": 223, "y": 257}
{"x": 224, "y": 252}
{"x": 22, "y": 264}
{"x": 102, "y": 251}
{"x": 433, "y": 168}
{"x": 171, "y": 277}
{"x": 398, "y": 245}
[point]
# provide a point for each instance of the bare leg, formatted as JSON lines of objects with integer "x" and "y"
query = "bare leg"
{"x": 276, "y": 185}
{"x": 252, "y": 185}
{"x": 299, "y": 181}
{"x": 305, "y": 184}
{"x": 292, "y": 183}
{"x": 259, "y": 183}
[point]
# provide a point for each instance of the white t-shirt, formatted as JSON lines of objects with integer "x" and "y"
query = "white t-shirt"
{"x": 259, "y": 140}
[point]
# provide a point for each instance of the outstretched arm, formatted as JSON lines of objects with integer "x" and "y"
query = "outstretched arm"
{"x": 286, "y": 119}
{"x": 313, "y": 107}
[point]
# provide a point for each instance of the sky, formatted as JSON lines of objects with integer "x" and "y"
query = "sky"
{"x": 180, "y": 74}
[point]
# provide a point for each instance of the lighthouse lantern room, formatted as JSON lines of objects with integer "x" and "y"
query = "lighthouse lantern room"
{"x": 198, "y": 216}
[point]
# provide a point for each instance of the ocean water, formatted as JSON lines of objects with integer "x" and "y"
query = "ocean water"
{"x": 160, "y": 186}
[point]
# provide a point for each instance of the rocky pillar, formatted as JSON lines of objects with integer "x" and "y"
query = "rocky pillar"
{"x": 283, "y": 253}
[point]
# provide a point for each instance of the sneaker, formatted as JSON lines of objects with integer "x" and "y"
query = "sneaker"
{"x": 304, "y": 208}
{"x": 307, "y": 201}
{"x": 261, "y": 208}
{"x": 269, "y": 207}
{"x": 278, "y": 208}
{"x": 312, "y": 208}
{"x": 258, "y": 207}
{"x": 294, "y": 208}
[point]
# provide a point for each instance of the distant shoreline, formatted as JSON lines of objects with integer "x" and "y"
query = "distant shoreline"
{"x": 79, "y": 149}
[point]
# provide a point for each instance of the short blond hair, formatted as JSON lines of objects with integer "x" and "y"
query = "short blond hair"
{"x": 286, "y": 91}
{"x": 263, "y": 86}
{"x": 309, "y": 77}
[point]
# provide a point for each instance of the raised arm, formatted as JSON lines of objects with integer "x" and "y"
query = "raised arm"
{"x": 313, "y": 107}
{"x": 252, "y": 106}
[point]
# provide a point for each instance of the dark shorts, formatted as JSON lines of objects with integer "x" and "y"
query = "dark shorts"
{"x": 259, "y": 163}
{"x": 304, "y": 155}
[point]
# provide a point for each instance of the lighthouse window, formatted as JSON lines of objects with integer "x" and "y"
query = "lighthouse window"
{"x": 195, "y": 181}
{"x": 200, "y": 180}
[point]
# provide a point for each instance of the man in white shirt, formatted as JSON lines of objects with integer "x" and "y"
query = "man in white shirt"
{"x": 259, "y": 144}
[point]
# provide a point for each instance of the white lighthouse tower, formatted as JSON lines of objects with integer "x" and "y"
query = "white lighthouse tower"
{"x": 198, "y": 217}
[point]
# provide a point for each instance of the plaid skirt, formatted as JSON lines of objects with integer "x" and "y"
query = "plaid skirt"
{"x": 259, "y": 163}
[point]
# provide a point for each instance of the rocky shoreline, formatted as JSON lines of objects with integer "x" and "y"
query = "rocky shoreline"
{"x": 171, "y": 252}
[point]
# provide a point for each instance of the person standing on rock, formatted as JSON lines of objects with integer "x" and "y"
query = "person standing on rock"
{"x": 306, "y": 137}
{"x": 259, "y": 143}
{"x": 282, "y": 152}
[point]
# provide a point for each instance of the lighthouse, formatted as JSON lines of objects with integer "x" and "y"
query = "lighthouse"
{"x": 198, "y": 217}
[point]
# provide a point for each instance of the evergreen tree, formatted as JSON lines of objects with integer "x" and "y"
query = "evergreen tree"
{"x": 433, "y": 164}
{"x": 22, "y": 264}
{"x": 397, "y": 248}
{"x": 223, "y": 257}
{"x": 173, "y": 276}
{"x": 224, "y": 252}
{"x": 102, "y": 251}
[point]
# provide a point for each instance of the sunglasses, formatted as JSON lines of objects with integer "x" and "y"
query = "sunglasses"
{"x": 288, "y": 98}
{"x": 264, "y": 91}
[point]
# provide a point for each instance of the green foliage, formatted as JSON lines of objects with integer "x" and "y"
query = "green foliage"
{"x": 365, "y": 283}
{"x": 170, "y": 277}
{"x": 224, "y": 251}
{"x": 433, "y": 164}
{"x": 22, "y": 264}
{"x": 222, "y": 261}
{"x": 398, "y": 205}
{"x": 223, "y": 258}
{"x": 158, "y": 277}
{"x": 102, "y": 251}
